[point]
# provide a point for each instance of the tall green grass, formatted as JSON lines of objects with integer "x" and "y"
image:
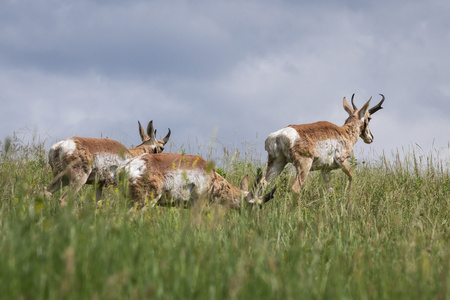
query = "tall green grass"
{"x": 390, "y": 241}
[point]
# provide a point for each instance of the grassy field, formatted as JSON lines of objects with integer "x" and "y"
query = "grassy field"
{"x": 391, "y": 241}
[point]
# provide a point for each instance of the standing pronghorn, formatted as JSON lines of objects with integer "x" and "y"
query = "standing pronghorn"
{"x": 319, "y": 146}
{"x": 78, "y": 161}
{"x": 176, "y": 179}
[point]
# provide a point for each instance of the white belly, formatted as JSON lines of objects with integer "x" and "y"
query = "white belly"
{"x": 327, "y": 152}
{"x": 105, "y": 166}
{"x": 180, "y": 186}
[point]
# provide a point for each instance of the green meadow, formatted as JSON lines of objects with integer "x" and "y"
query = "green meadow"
{"x": 389, "y": 238}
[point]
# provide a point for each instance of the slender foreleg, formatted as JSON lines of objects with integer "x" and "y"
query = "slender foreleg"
{"x": 347, "y": 170}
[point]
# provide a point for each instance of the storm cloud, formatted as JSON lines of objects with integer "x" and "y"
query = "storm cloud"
{"x": 236, "y": 70}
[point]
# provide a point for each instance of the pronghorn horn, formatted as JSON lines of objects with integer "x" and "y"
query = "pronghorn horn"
{"x": 353, "y": 104}
{"x": 257, "y": 181}
{"x": 269, "y": 196}
{"x": 151, "y": 132}
{"x": 377, "y": 107}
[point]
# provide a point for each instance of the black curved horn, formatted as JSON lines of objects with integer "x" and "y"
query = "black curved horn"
{"x": 353, "y": 104}
{"x": 269, "y": 195}
{"x": 377, "y": 107}
{"x": 150, "y": 131}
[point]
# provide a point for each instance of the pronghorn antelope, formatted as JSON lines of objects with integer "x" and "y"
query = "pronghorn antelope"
{"x": 78, "y": 161}
{"x": 179, "y": 180}
{"x": 319, "y": 146}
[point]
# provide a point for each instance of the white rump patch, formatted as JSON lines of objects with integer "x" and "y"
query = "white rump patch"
{"x": 281, "y": 141}
{"x": 290, "y": 133}
{"x": 51, "y": 153}
{"x": 57, "y": 145}
{"x": 66, "y": 147}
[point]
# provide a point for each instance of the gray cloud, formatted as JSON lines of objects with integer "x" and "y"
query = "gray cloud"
{"x": 241, "y": 68}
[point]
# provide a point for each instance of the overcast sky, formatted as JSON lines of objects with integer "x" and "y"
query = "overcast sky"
{"x": 236, "y": 70}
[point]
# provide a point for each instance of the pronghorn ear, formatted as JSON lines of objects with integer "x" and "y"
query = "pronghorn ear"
{"x": 347, "y": 107}
{"x": 363, "y": 110}
{"x": 244, "y": 183}
{"x": 166, "y": 139}
{"x": 151, "y": 133}
{"x": 142, "y": 132}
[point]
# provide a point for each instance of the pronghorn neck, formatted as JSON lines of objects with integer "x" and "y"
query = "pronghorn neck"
{"x": 137, "y": 151}
{"x": 142, "y": 149}
{"x": 221, "y": 188}
{"x": 352, "y": 128}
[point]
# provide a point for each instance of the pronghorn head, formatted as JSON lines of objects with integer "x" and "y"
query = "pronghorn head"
{"x": 149, "y": 139}
{"x": 253, "y": 199}
{"x": 362, "y": 117}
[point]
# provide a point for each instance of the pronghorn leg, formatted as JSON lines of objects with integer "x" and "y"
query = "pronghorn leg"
{"x": 98, "y": 193}
{"x": 274, "y": 168}
{"x": 303, "y": 165}
{"x": 326, "y": 179}
{"x": 59, "y": 181}
{"x": 75, "y": 184}
{"x": 54, "y": 186}
{"x": 347, "y": 170}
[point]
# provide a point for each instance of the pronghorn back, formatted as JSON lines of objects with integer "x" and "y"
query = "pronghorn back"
{"x": 76, "y": 156}
{"x": 85, "y": 148}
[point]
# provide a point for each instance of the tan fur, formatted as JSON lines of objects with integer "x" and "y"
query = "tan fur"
{"x": 78, "y": 161}
{"x": 322, "y": 130}
{"x": 165, "y": 179}
{"x": 318, "y": 146}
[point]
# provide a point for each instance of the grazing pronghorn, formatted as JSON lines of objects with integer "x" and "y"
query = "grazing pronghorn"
{"x": 78, "y": 161}
{"x": 318, "y": 146}
{"x": 179, "y": 180}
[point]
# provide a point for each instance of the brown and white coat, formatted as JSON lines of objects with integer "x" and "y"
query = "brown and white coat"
{"x": 318, "y": 146}
{"x": 77, "y": 161}
{"x": 180, "y": 180}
